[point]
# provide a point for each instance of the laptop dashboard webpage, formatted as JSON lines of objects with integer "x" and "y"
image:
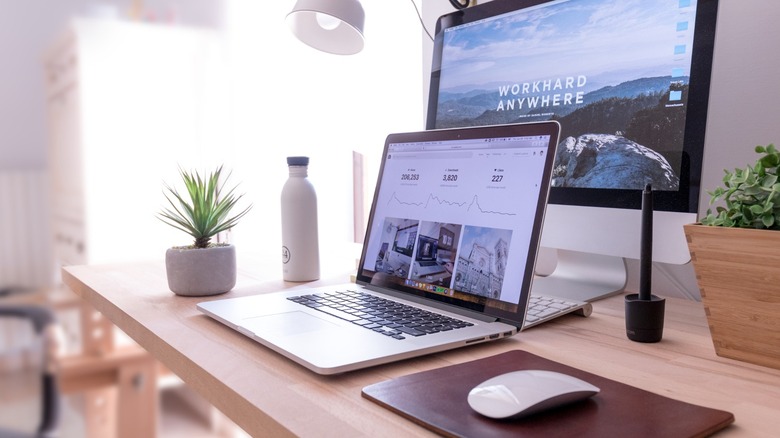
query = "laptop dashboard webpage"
{"x": 457, "y": 215}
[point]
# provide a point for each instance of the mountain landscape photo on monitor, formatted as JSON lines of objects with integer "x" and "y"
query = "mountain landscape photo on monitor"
{"x": 614, "y": 74}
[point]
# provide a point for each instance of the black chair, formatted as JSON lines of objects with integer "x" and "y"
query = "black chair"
{"x": 43, "y": 322}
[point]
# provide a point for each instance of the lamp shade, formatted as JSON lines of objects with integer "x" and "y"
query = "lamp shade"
{"x": 333, "y": 26}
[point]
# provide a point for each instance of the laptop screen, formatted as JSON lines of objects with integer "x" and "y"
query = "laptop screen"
{"x": 457, "y": 215}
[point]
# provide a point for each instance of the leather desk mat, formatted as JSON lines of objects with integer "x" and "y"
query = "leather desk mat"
{"x": 436, "y": 399}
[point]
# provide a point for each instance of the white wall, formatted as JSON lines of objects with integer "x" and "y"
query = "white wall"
{"x": 291, "y": 99}
{"x": 26, "y": 30}
{"x": 288, "y": 99}
{"x": 744, "y": 92}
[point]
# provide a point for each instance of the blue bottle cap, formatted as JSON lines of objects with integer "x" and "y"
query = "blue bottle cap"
{"x": 297, "y": 161}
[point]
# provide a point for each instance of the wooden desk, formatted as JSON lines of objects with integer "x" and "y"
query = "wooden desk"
{"x": 268, "y": 395}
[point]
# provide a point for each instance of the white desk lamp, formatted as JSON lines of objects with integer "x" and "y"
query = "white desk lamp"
{"x": 336, "y": 26}
{"x": 333, "y": 26}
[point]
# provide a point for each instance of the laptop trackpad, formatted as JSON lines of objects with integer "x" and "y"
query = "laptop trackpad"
{"x": 288, "y": 323}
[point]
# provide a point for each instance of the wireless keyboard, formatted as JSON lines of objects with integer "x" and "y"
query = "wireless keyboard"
{"x": 543, "y": 308}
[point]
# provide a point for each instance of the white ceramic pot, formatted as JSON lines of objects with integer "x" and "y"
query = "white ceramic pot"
{"x": 201, "y": 271}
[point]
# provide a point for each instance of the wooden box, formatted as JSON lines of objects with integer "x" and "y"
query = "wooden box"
{"x": 738, "y": 272}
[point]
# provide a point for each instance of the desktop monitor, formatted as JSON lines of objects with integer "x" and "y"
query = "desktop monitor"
{"x": 629, "y": 83}
{"x": 404, "y": 239}
{"x": 426, "y": 249}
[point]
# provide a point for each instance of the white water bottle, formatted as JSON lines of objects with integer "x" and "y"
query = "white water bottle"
{"x": 300, "y": 239}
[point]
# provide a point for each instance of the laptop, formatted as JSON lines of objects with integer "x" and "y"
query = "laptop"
{"x": 447, "y": 262}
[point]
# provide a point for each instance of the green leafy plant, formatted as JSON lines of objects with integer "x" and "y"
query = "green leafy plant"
{"x": 205, "y": 209}
{"x": 751, "y": 195}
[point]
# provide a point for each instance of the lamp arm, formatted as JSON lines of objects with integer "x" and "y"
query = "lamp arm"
{"x": 460, "y": 4}
{"x": 457, "y": 4}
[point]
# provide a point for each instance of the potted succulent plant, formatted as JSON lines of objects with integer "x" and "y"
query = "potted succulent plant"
{"x": 736, "y": 253}
{"x": 204, "y": 267}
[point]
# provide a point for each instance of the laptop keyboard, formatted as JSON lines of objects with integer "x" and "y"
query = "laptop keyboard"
{"x": 387, "y": 317}
{"x": 543, "y": 308}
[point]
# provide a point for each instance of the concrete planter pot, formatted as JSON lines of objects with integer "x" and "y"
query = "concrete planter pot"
{"x": 199, "y": 272}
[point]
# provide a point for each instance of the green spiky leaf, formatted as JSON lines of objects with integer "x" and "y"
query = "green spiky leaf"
{"x": 751, "y": 195}
{"x": 204, "y": 210}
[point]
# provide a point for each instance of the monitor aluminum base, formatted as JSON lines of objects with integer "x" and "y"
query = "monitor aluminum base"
{"x": 582, "y": 276}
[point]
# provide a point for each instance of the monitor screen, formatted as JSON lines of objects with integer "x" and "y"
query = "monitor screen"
{"x": 627, "y": 80}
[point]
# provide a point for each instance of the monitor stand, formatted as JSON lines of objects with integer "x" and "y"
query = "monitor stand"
{"x": 583, "y": 276}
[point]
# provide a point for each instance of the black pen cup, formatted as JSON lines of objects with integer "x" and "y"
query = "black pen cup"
{"x": 644, "y": 318}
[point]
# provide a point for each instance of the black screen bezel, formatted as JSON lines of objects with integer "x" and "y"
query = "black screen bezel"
{"x": 686, "y": 199}
{"x": 490, "y": 307}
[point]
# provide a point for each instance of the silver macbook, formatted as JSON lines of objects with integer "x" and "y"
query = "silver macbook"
{"x": 448, "y": 258}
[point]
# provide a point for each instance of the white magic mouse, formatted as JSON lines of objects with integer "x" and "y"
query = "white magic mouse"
{"x": 521, "y": 393}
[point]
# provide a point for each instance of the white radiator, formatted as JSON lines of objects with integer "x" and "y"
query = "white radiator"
{"x": 26, "y": 259}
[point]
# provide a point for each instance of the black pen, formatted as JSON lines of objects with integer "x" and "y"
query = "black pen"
{"x": 646, "y": 248}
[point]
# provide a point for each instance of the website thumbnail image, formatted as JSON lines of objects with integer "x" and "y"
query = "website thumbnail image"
{"x": 442, "y": 258}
